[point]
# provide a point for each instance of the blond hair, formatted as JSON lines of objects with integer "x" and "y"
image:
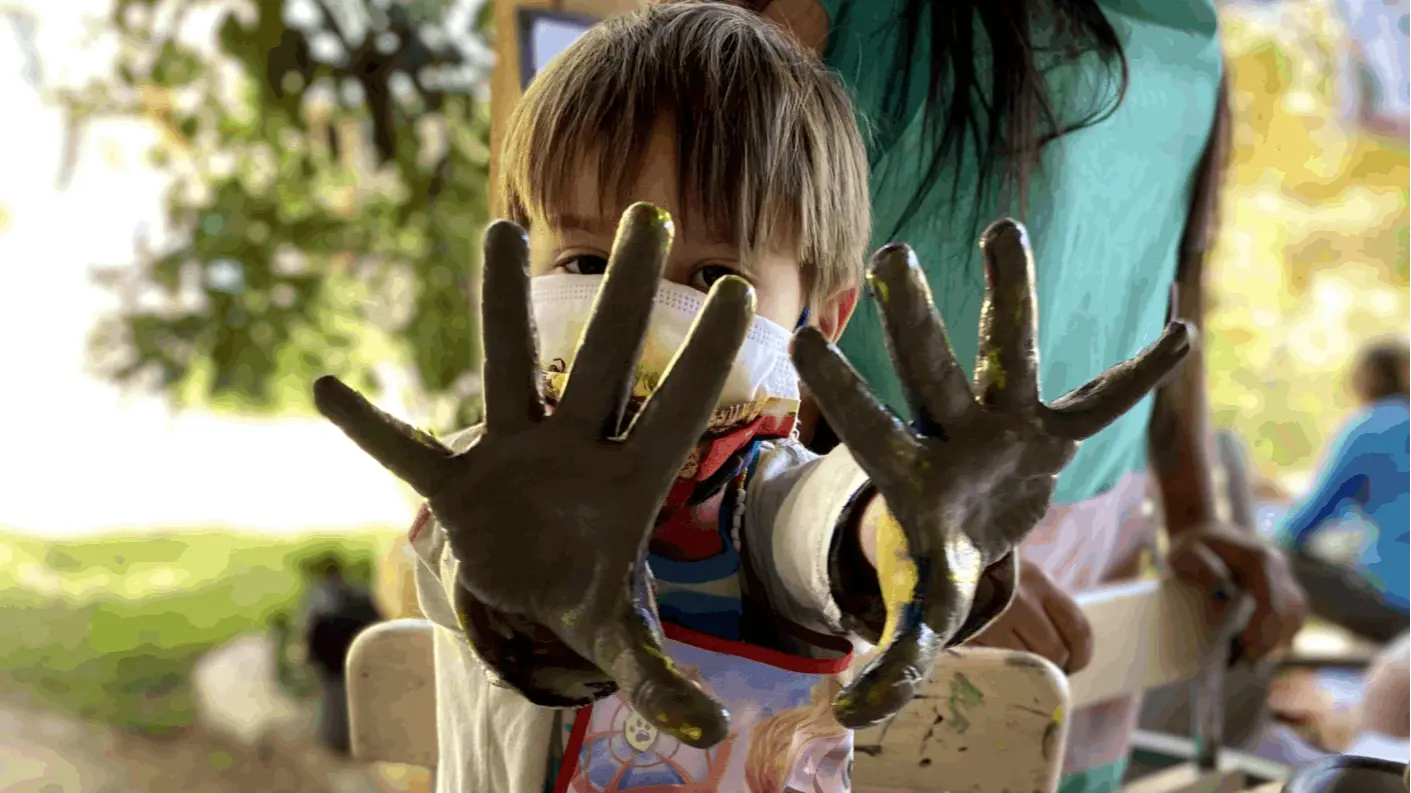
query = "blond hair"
{"x": 768, "y": 148}
{"x": 779, "y": 742}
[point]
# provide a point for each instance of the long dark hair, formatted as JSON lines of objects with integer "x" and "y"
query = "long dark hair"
{"x": 1004, "y": 115}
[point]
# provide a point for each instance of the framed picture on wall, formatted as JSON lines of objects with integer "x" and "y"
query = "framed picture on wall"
{"x": 544, "y": 34}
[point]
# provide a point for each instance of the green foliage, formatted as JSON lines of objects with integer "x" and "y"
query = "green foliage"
{"x": 109, "y": 629}
{"x": 323, "y": 208}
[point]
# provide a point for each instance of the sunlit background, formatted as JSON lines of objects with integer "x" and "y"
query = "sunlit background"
{"x": 1312, "y": 260}
{"x": 161, "y": 491}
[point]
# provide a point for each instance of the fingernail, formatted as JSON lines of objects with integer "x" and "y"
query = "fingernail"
{"x": 506, "y": 231}
{"x": 894, "y": 251}
{"x": 878, "y": 287}
{"x": 891, "y": 266}
{"x": 1004, "y": 228}
{"x": 650, "y": 216}
{"x": 1184, "y": 333}
{"x": 1236, "y": 652}
{"x": 644, "y": 212}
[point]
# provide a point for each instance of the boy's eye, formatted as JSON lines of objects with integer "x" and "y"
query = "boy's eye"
{"x": 585, "y": 264}
{"x": 706, "y": 277}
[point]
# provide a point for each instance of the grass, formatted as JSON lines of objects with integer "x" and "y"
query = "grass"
{"x": 109, "y": 628}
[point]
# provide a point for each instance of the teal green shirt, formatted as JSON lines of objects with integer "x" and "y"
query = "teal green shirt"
{"x": 1105, "y": 211}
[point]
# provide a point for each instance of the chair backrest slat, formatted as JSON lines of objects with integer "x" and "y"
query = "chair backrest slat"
{"x": 1146, "y": 634}
{"x": 392, "y": 694}
{"x": 989, "y": 720}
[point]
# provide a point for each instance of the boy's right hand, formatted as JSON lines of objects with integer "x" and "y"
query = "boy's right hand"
{"x": 549, "y": 515}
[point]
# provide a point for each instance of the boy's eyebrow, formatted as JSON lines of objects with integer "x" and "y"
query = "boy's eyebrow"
{"x": 570, "y": 222}
{"x": 567, "y": 221}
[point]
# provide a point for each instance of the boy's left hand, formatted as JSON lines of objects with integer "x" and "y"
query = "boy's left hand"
{"x": 976, "y": 469}
{"x": 1222, "y": 560}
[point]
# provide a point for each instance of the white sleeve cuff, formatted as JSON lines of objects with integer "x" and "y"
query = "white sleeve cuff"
{"x": 790, "y": 522}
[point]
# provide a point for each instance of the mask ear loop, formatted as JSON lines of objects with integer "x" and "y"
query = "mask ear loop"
{"x": 803, "y": 320}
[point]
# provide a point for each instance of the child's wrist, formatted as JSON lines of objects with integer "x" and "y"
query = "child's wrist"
{"x": 852, "y": 572}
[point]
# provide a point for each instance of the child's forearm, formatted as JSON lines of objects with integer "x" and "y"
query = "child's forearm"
{"x": 869, "y": 519}
{"x": 880, "y": 577}
{"x": 855, "y": 583}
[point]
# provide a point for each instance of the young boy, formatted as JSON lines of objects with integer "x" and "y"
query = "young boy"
{"x": 751, "y": 145}
{"x": 763, "y": 560}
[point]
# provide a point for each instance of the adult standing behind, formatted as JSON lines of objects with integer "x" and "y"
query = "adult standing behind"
{"x": 1090, "y": 120}
{"x": 336, "y": 611}
{"x": 1368, "y": 469}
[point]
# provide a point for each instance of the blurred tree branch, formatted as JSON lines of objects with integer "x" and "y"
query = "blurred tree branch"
{"x": 329, "y": 162}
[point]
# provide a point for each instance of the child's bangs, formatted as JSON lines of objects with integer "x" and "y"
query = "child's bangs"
{"x": 717, "y": 182}
{"x": 729, "y": 99}
{"x": 766, "y": 148}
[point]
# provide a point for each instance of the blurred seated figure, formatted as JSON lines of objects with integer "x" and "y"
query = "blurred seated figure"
{"x": 1376, "y": 760}
{"x": 336, "y": 611}
{"x": 1386, "y": 700}
{"x": 1366, "y": 472}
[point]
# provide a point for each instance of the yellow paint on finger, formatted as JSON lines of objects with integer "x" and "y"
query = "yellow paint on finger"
{"x": 683, "y": 732}
{"x": 994, "y": 370}
{"x": 896, "y": 572}
{"x": 879, "y": 287}
{"x": 649, "y": 214}
{"x": 655, "y": 652}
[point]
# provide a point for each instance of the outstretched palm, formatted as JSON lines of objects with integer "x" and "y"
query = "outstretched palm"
{"x": 549, "y": 515}
{"x": 977, "y": 468}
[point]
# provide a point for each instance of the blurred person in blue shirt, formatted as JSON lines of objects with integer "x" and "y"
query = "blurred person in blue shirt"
{"x": 1366, "y": 472}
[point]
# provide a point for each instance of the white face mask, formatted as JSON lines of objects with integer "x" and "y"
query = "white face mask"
{"x": 562, "y": 303}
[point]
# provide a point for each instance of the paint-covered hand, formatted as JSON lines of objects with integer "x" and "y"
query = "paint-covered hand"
{"x": 549, "y": 514}
{"x": 976, "y": 469}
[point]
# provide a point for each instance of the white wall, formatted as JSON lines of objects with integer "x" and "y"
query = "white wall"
{"x": 76, "y": 456}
